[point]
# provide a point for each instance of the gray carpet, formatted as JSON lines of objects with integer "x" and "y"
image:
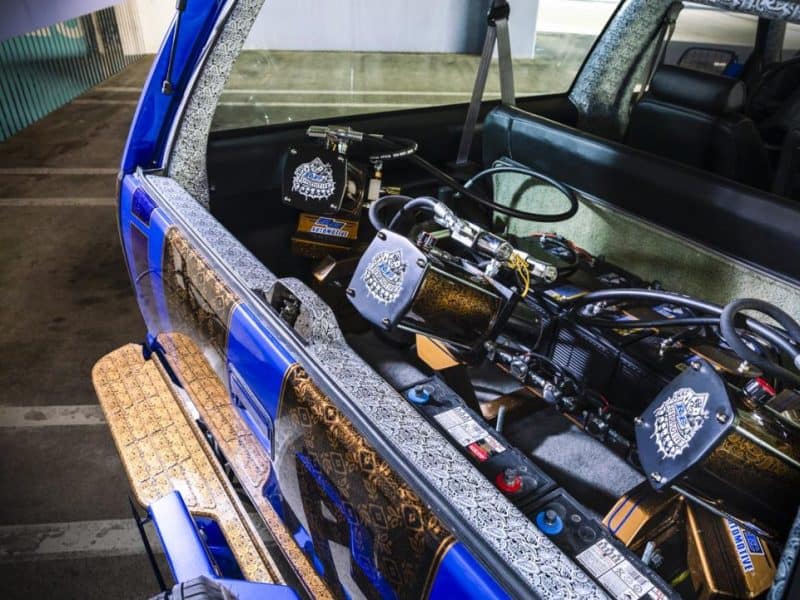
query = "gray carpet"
{"x": 579, "y": 463}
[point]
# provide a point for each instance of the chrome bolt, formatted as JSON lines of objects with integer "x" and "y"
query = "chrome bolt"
{"x": 350, "y": 292}
{"x": 381, "y": 235}
{"x": 722, "y": 417}
{"x": 386, "y": 322}
{"x": 421, "y": 263}
{"x": 657, "y": 477}
{"x": 696, "y": 365}
{"x": 743, "y": 367}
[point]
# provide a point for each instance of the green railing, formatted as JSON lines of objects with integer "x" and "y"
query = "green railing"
{"x": 45, "y": 69}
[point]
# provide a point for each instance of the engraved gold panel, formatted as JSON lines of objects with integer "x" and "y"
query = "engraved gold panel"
{"x": 347, "y": 488}
{"x": 644, "y": 514}
{"x": 722, "y": 566}
{"x": 163, "y": 450}
{"x": 198, "y": 301}
{"x": 245, "y": 455}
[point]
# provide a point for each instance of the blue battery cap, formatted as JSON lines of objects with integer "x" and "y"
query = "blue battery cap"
{"x": 549, "y": 522}
{"x": 420, "y": 394}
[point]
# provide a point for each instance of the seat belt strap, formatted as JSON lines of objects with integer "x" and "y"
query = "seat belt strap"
{"x": 664, "y": 37}
{"x": 497, "y": 31}
{"x": 504, "y": 62}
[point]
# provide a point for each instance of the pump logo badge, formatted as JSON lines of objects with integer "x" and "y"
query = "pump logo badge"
{"x": 384, "y": 276}
{"x": 678, "y": 420}
{"x": 314, "y": 180}
{"x": 331, "y": 228}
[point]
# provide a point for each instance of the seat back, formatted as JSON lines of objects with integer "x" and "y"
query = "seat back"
{"x": 741, "y": 221}
{"x": 696, "y": 118}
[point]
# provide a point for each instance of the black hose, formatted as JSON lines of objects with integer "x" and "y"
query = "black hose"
{"x": 458, "y": 187}
{"x": 772, "y": 335}
{"x": 382, "y": 203}
{"x": 570, "y": 194}
{"x": 422, "y": 202}
{"x": 662, "y": 323}
{"x": 727, "y": 325}
{"x": 407, "y": 147}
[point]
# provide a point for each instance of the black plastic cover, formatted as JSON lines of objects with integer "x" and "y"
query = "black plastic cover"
{"x": 314, "y": 179}
{"x": 386, "y": 279}
{"x": 687, "y": 420}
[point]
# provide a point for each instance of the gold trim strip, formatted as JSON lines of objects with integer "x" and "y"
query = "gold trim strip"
{"x": 162, "y": 450}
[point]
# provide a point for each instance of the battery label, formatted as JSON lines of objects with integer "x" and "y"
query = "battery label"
{"x": 468, "y": 433}
{"x": 616, "y": 573}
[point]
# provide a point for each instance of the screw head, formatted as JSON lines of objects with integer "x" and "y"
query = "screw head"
{"x": 293, "y": 151}
{"x": 350, "y": 292}
{"x": 656, "y": 476}
{"x": 722, "y": 417}
{"x": 421, "y": 262}
{"x": 386, "y": 322}
{"x": 381, "y": 235}
{"x": 696, "y": 365}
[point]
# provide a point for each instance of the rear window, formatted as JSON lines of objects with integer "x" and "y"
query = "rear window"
{"x": 355, "y": 57}
{"x": 712, "y": 40}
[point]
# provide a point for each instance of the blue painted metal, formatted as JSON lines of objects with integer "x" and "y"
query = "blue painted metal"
{"x": 156, "y": 110}
{"x": 145, "y": 271}
{"x": 186, "y": 554}
{"x": 257, "y": 365}
{"x": 142, "y": 206}
{"x": 189, "y": 557}
{"x": 218, "y": 547}
{"x": 461, "y": 576}
{"x": 248, "y": 590}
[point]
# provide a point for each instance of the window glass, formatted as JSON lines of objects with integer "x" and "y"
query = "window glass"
{"x": 311, "y": 59}
{"x": 791, "y": 41}
{"x": 564, "y": 34}
{"x": 712, "y": 40}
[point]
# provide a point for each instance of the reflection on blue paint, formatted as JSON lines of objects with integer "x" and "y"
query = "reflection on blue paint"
{"x": 360, "y": 538}
{"x": 218, "y": 547}
{"x": 460, "y": 575}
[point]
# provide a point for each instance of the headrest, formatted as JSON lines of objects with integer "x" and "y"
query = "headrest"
{"x": 715, "y": 94}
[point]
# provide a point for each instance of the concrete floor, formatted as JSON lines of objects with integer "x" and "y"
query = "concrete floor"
{"x": 65, "y": 527}
{"x": 66, "y": 299}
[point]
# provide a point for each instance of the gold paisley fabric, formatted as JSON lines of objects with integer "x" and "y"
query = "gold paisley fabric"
{"x": 352, "y": 497}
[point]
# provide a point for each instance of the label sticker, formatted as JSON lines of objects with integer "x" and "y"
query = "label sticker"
{"x": 614, "y": 572}
{"x": 671, "y": 311}
{"x": 328, "y": 227}
{"x": 384, "y": 276}
{"x": 563, "y": 293}
{"x": 467, "y": 433}
{"x": 678, "y": 420}
{"x": 746, "y": 544}
{"x": 314, "y": 180}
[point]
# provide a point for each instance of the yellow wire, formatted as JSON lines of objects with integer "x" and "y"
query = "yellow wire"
{"x": 520, "y": 265}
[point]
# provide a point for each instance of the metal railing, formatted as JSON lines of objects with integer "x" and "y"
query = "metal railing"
{"x": 45, "y": 69}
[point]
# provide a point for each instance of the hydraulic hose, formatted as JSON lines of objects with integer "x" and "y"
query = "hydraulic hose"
{"x": 380, "y": 204}
{"x": 727, "y": 325}
{"x": 467, "y": 193}
{"x": 423, "y": 202}
{"x": 570, "y": 194}
{"x": 777, "y": 338}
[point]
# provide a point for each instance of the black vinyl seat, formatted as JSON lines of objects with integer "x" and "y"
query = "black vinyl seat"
{"x": 696, "y": 118}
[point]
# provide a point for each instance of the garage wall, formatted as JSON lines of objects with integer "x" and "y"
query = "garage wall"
{"x": 44, "y": 69}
